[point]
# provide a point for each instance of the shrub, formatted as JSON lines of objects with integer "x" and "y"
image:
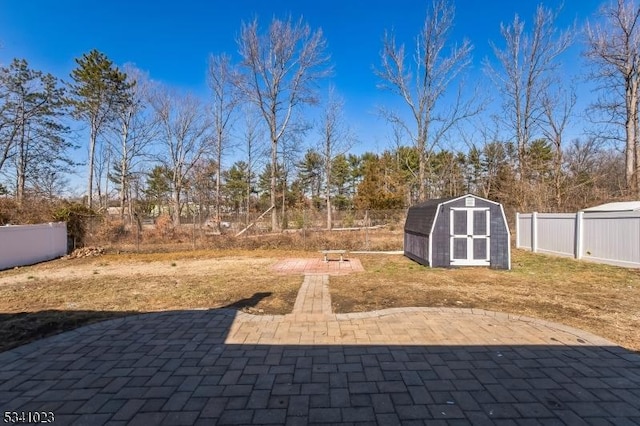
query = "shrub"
{"x": 76, "y": 215}
{"x": 8, "y": 209}
{"x": 164, "y": 225}
{"x": 112, "y": 232}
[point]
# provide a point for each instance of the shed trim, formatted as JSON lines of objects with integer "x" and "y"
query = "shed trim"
{"x": 431, "y": 248}
{"x": 433, "y": 225}
{"x": 471, "y": 195}
{"x": 506, "y": 225}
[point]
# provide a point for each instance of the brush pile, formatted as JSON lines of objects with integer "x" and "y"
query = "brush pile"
{"x": 85, "y": 252}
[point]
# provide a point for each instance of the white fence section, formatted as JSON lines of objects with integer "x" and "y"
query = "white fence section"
{"x": 605, "y": 237}
{"x": 28, "y": 244}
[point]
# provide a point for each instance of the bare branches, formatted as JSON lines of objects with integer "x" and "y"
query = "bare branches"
{"x": 282, "y": 67}
{"x": 423, "y": 82}
{"x": 132, "y": 133}
{"x": 337, "y": 139}
{"x": 614, "y": 51}
{"x": 224, "y": 82}
{"x": 183, "y": 135}
{"x": 528, "y": 62}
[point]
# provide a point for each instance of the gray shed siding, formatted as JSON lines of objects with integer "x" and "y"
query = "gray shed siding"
{"x": 499, "y": 241}
{"x": 416, "y": 247}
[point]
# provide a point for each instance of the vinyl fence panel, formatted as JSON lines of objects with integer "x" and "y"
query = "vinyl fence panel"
{"x": 523, "y": 230}
{"x": 604, "y": 237}
{"x": 557, "y": 233}
{"x": 612, "y": 237}
{"x": 28, "y": 244}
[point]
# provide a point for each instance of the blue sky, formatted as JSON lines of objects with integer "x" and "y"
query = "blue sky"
{"x": 172, "y": 40}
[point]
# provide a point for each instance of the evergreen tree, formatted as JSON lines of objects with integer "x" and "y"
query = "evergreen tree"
{"x": 32, "y": 131}
{"x": 115, "y": 175}
{"x": 236, "y": 185}
{"x": 310, "y": 173}
{"x": 99, "y": 90}
{"x": 203, "y": 178}
{"x": 340, "y": 172}
{"x": 382, "y": 186}
{"x": 158, "y": 187}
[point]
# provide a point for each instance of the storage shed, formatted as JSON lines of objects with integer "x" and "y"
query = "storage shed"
{"x": 459, "y": 231}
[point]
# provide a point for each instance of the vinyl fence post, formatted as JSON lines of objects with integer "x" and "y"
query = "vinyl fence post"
{"x": 517, "y": 230}
{"x": 534, "y": 232}
{"x": 579, "y": 234}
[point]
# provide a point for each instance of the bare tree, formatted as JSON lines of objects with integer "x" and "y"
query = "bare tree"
{"x": 291, "y": 145}
{"x": 183, "y": 136}
{"x": 423, "y": 83}
{"x": 255, "y": 150}
{"x": 132, "y": 133}
{"x": 51, "y": 182}
{"x": 595, "y": 173}
{"x": 103, "y": 161}
{"x": 527, "y": 65}
{"x": 223, "y": 82}
{"x": 282, "y": 66}
{"x": 337, "y": 139}
{"x": 614, "y": 51}
{"x": 558, "y": 107}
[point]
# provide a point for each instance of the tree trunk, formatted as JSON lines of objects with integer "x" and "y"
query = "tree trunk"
{"x": 123, "y": 170}
{"x": 219, "y": 166}
{"x": 630, "y": 128}
{"x": 328, "y": 188}
{"x": 558, "y": 178}
{"x": 92, "y": 150}
{"x": 422, "y": 173}
{"x": 284, "y": 199}
{"x": 274, "y": 164}
{"x": 105, "y": 204}
{"x": 133, "y": 215}
{"x": 637, "y": 162}
{"x": 22, "y": 166}
{"x": 175, "y": 201}
{"x": 248, "y": 184}
{"x": 123, "y": 187}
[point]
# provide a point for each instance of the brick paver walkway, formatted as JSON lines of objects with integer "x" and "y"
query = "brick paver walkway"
{"x": 398, "y": 366}
{"x": 313, "y": 296}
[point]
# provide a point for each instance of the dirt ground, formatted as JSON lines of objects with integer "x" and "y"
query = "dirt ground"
{"x": 48, "y": 298}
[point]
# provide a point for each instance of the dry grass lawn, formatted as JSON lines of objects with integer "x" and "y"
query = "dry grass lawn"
{"x": 604, "y": 300}
{"x": 44, "y": 299}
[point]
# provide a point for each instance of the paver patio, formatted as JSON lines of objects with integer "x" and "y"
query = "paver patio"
{"x": 397, "y": 366}
{"x": 318, "y": 267}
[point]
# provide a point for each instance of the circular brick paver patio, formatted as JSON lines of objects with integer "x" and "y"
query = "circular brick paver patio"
{"x": 410, "y": 366}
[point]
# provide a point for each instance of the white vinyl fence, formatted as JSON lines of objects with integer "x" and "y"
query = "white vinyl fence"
{"x": 605, "y": 237}
{"x": 29, "y": 244}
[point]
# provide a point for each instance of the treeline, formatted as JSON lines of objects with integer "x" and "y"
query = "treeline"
{"x": 152, "y": 149}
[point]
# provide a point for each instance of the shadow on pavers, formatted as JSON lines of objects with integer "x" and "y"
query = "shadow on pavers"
{"x": 17, "y": 329}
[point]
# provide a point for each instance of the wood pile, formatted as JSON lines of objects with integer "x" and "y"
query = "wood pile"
{"x": 86, "y": 252}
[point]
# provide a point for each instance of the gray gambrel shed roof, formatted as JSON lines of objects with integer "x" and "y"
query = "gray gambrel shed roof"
{"x": 420, "y": 217}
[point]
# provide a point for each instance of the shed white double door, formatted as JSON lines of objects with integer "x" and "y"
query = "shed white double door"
{"x": 470, "y": 236}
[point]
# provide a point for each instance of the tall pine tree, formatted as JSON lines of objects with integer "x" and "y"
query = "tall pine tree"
{"x": 99, "y": 90}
